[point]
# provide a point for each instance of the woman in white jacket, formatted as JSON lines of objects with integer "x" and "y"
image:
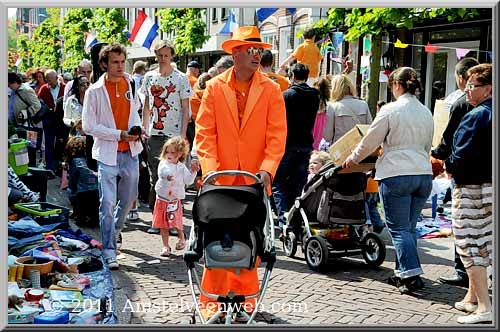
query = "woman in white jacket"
{"x": 404, "y": 128}
{"x": 74, "y": 104}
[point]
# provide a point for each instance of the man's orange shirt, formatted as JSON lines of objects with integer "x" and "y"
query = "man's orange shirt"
{"x": 308, "y": 53}
{"x": 120, "y": 107}
{"x": 192, "y": 80}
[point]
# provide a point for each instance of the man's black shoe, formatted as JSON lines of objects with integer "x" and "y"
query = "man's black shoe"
{"x": 152, "y": 230}
{"x": 455, "y": 280}
{"x": 414, "y": 283}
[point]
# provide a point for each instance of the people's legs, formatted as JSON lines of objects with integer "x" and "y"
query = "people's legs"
{"x": 164, "y": 237}
{"x": 127, "y": 187}
{"x": 396, "y": 195}
{"x": 299, "y": 167}
{"x": 154, "y": 145}
{"x": 107, "y": 180}
{"x": 50, "y": 141}
{"x": 419, "y": 197}
{"x": 372, "y": 200}
{"x": 279, "y": 188}
{"x": 479, "y": 281}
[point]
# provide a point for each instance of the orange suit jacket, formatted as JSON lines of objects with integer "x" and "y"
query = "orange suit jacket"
{"x": 257, "y": 144}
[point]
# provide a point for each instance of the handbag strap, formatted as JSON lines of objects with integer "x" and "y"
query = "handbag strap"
{"x": 22, "y": 99}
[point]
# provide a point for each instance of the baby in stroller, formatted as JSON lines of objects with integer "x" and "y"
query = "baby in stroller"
{"x": 233, "y": 231}
{"x": 326, "y": 220}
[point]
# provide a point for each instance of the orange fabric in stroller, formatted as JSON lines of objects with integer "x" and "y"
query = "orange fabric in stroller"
{"x": 222, "y": 281}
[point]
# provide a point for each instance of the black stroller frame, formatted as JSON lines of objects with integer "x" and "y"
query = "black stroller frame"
{"x": 232, "y": 304}
{"x": 319, "y": 249}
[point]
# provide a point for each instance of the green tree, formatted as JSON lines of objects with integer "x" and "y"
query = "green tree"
{"x": 24, "y": 51}
{"x": 109, "y": 25}
{"x": 358, "y": 22}
{"x": 45, "y": 46}
{"x": 76, "y": 22}
{"x": 188, "y": 25}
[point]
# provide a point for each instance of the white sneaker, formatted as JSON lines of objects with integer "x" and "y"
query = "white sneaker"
{"x": 466, "y": 306}
{"x": 476, "y": 318}
{"x": 112, "y": 263}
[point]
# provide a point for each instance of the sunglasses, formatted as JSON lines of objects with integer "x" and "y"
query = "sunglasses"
{"x": 253, "y": 51}
{"x": 471, "y": 86}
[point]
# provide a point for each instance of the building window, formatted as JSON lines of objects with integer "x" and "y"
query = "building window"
{"x": 269, "y": 38}
{"x": 214, "y": 15}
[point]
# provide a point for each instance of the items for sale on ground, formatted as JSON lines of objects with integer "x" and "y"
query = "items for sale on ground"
{"x": 56, "y": 275}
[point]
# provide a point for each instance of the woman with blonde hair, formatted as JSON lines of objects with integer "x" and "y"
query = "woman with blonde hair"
{"x": 345, "y": 110}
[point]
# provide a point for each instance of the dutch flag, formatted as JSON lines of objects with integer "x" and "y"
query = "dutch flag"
{"x": 144, "y": 31}
{"x": 90, "y": 41}
{"x": 230, "y": 25}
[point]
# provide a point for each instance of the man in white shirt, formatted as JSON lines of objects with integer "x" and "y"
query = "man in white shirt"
{"x": 167, "y": 93}
{"x": 110, "y": 110}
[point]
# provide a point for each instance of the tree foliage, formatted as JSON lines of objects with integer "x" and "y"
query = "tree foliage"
{"x": 188, "y": 25}
{"x": 76, "y": 22}
{"x": 358, "y": 22}
{"x": 45, "y": 45}
{"x": 109, "y": 25}
{"x": 24, "y": 51}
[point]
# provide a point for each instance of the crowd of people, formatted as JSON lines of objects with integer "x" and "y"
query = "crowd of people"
{"x": 171, "y": 127}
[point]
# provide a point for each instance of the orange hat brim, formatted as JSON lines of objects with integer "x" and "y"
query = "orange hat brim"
{"x": 228, "y": 45}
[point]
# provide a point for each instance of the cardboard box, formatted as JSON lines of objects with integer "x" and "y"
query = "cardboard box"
{"x": 341, "y": 149}
{"x": 441, "y": 118}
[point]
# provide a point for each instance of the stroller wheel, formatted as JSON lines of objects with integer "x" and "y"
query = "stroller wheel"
{"x": 316, "y": 252}
{"x": 373, "y": 250}
{"x": 290, "y": 244}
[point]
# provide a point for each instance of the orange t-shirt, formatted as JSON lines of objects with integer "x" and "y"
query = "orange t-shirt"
{"x": 120, "y": 106}
{"x": 192, "y": 80}
{"x": 242, "y": 89}
{"x": 281, "y": 80}
{"x": 308, "y": 53}
{"x": 195, "y": 102}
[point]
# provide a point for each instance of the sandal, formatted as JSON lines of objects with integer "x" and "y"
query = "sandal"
{"x": 180, "y": 245}
{"x": 165, "y": 252}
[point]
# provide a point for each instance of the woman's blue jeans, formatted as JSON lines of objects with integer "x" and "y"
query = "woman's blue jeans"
{"x": 403, "y": 198}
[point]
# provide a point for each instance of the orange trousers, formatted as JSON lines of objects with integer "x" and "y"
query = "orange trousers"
{"x": 223, "y": 281}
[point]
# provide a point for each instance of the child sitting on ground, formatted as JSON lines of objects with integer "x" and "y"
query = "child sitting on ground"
{"x": 317, "y": 160}
{"x": 82, "y": 183}
{"x": 173, "y": 176}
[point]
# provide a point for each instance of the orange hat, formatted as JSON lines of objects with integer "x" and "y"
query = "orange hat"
{"x": 248, "y": 35}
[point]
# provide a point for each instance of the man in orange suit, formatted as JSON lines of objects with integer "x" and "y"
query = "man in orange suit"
{"x": 241, "y": 125}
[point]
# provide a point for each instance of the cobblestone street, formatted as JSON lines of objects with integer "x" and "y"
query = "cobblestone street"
{"x": 154, "y": 290}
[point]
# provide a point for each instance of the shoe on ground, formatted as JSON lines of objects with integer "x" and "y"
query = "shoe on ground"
{"x": 133, "y": 215}
{"x": 119, "y": 241}
{"x": 153, "y": 230}
{"x": 180, "y": 245}
{"x": 112, "y": 263}
{"x": 465, "y": 306}
{"x": 476, "y": 318}
{"x": 455, "y": 280}
{"x": 414, "y": 283}
{"x": 165, "y": 252}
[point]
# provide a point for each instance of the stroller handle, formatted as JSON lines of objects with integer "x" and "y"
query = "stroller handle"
{"x": 231, "y": 173}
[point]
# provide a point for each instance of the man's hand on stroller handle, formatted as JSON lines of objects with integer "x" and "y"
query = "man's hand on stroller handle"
{"x": 265, "y": 178}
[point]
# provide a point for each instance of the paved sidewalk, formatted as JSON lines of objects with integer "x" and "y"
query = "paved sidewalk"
{"x": 154, "y": 290}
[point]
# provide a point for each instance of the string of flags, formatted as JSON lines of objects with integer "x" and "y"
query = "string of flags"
{"x": 429, "y": 48}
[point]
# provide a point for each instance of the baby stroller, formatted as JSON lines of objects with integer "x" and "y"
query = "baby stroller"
{"x": 326, "y": 220}
{"x": 232, "y": 226}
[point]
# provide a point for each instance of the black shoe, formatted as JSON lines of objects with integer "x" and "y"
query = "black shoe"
{"x": 154, "y": 230}
{"x": 394, "y": 281}
{"x": 455, "y": 280}
{"x": 414, "y": 283}
{"x": 173, "y": 232}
